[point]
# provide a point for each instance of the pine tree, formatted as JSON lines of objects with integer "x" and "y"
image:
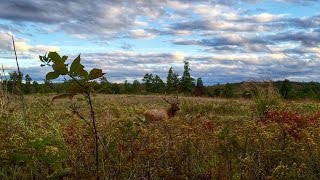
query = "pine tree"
{"x": 186, "y": 80}
{"x": 199, "y": 83}
{"x": 172, "y": 81}
{"x": 285, "y": 89}
{"x": 126, "y": 87}
{"x": 148, "y": 82}
{"x": 15, "y": 79}
{"x": 158, "y": 85}
{"x": 28, "y": 80}
{"x": 103, "y": 80}
{"x": 199, "y": 90}
{"x": 35, "y": 87}
{"x": 136, "y": 87}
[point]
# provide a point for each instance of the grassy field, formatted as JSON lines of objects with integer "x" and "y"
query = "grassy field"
{"x": 208, "y": 139}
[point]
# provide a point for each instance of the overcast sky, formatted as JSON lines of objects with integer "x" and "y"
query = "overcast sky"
{"x": 224, "y": 40}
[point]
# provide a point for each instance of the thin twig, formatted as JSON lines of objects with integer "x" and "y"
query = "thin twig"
{"x": 95, "y": 130}
{"x": 18, "y": 86}
{"x": 96, "y": 136}
{"x": 15, "y": 53}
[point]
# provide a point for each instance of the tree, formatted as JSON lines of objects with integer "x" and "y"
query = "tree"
{"x": 172, "y": 81}
{"x": 176, "y": 82}
{"x": 28, "y": 80}
{"x": 285, "y": 89}
{"x": 14, "y": 76}
{"x": 158, "y": 85}
{"x": 148, "y": 82}
{"x": 14, "y": 80}
{"x": 35, "y": 87}
{"x": 103, "y": 80}
{"x": 136, "y": 87}
{"x": 228, "y": 91}
{"x": 199, "y": 83}
{"x": 105, "y": 85}
{"x": 186, "y": 79}
{"x": 126, "y": 87}
{"x": 114, "y": 88}
{"x": 199, "y": 90}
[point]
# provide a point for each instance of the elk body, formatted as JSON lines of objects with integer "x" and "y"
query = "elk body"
{"x": 162, "y": 113}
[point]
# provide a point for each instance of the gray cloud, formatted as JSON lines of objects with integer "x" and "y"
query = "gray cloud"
{"x": 120, "y": 66}
{"x": 308, "y": 39}
{"x": 238, "y": 44}
{"x": 232, "y": 42}
{"x": 301, "y": 2}
{"x": 106, "y": 19}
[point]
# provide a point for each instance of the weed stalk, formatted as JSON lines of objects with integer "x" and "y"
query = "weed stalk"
{"x": 93, "y": 120}
{"x": 18, "y": 85}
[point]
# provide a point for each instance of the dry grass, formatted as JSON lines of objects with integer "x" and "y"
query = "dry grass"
{"x": 208, "y": 139}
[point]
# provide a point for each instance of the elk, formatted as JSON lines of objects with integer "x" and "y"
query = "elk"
{"x": 162, "y": 113}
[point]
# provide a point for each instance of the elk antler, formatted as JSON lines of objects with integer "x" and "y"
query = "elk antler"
{"x": 164, "y": 98}
{"x": 175, "y": 101}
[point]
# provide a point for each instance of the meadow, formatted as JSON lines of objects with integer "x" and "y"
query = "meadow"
{"x": 209, "y": 138}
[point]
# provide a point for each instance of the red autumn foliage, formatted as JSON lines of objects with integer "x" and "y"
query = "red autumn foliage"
{"x": 291, "y": 122}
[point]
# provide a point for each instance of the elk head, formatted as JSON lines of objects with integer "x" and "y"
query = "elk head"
{"x": 171, "y": 112}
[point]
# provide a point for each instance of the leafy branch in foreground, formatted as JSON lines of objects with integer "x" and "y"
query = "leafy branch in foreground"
{"x": 82, "y": 79}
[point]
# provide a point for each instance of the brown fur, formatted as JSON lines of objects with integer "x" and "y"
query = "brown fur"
{"x": 161, "y": 113}
{"x": 155, "y": 114}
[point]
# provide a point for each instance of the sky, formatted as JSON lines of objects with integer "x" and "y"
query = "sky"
{"x": 223, "y": 40}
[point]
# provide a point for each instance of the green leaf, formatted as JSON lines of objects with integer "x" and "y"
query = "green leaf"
{"x": 95, "y": 73}
{"x": 45, "y": 59}
{"x": 41, "y": 58}
{"x": 76, "y": 67}
{"x": 52, "y": 75}
{"x": 64, "y": 58}
{"x": 54, "y": 56}
{"x": 60, "y": 67}
{"x": 83, "y": 73}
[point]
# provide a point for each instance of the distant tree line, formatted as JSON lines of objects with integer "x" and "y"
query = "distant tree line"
{"x": 151, "y": 83}
{"x": 286, "y": 89}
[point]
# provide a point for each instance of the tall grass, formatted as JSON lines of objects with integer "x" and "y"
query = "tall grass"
{"x": 264, "y": 94}
{"x": 208, "y": 139}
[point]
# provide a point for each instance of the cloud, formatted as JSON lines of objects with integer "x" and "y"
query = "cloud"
{"x": 178, "y": 56}
{"x": 79, "y": 17}
{"x": 230, "y": 42}
{"x": 126, "y": 46}
{"x": 219, "y": 68}
{"x": 236, "y": 41}
{"x": 141, "y": 34}
{"x": 308, "y": 39}
{"x": 22, "y": 46}
{"x": 304, "y": 22}
{"x": 301, "y": 2}
{"x": 25, "y": 51}
{"x": 112, "y": 19}
{"x": 214, "y": 69}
